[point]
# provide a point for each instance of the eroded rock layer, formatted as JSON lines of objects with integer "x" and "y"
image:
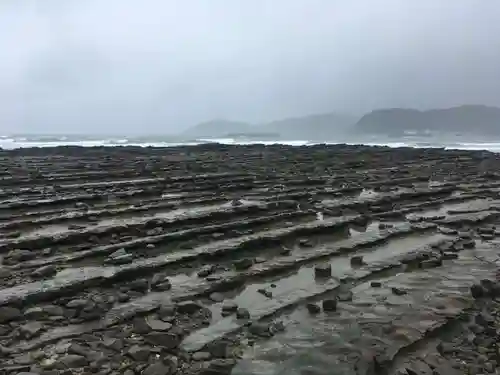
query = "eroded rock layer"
{"x": 249, "y": 260}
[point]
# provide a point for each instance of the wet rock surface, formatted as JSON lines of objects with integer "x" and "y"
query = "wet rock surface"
{"x": 248, "y": 260}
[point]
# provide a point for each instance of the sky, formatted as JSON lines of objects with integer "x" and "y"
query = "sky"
{"x": 161, "y": 66}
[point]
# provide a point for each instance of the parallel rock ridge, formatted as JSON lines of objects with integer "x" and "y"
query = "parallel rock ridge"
{"x": 248, "y": 260}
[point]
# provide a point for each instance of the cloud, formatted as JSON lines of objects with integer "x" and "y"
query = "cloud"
{"x": 163, "y": 65}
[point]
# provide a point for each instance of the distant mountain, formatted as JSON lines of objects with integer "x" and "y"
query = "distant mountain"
{"x": 218, "y": 129}
{"x": 325, "y": 126}
{"x": 466, "y": 119}
{"x": 321, "y": 127}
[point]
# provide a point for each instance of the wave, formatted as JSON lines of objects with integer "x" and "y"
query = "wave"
{"x": 8, "y": 142}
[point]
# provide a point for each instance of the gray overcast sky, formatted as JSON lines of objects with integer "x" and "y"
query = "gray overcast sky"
{"x": 163, "y": 65}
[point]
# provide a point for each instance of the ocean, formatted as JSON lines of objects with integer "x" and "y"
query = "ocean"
{"x": 9, "y": 142}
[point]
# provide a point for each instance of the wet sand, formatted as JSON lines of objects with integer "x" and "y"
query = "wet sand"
{"x": 248, "y": 260}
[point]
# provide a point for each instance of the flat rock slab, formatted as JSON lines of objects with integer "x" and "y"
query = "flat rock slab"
{"x": 79, "y": 278}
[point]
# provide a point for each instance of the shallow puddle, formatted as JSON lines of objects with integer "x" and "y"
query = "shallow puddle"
{"x": 376, "y": 319}
{"x": 53, "y": 229}
{"x": 302, "y": 284}
{"x": 447, "y": 209}
{"x": 304, "y": 278}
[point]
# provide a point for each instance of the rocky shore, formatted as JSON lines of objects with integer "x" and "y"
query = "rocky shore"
{"x": 245, "y": 260}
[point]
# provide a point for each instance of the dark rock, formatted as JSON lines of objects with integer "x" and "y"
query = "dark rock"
{"x": 158, "y": 325}
{"x": 477, "y": 291}
{"x": 113, "y": 344}
{"x": 220, "y": 349}
{"x": 490, "y": 367}
{"x": 445, "y": 348}
{"x": 436, "y": 361}
{"x": 329, "y": 305}
{"x": 44, "y": 271}
{"x": 376, "y": 284}
{"x": 123, "y": 297}
{"x": 265, "y": 292}
{"x": 120, "y": 257}
{"x": 446, "y": 369}
{"x": 70, "y": 313}
{"x": 313, "y": 308}
{"x": 213, "y": 278}
{"x": 487, "y": 236}
{"x": 77, "y": 349}
{"x": 243, "y": 264}
{"x": 158, "y": 278}
{"x": 418, "y": 367}
{"x": 477, "y": 329}
{"x": 491, "y": 288}
{"x": 31, "y": 329}
{"x": 398, "y": 291}
{"x": 487, "y": 284}
{"x": 4, "y": 351}
{"x": 4, "y": 272}
{"x": 216, "y": 297}
{"x": 443, "y": 245}
{"x": 345, "y": 296}
{"x": 77, "y": 303}
{"x": 449, "y": 256}
{"x": 304, "y": 242}
{"x": 469, "y": 244}
{"x": 167, "y": 312}
{"x": 201, "y": 356}
{"x": 242, "y": 313}
{"x": 163, "y": 339}
{"x": 236, "y": 203}
{"x": 229, "y": 307}
{"x": 188, "y": 307}
{"x": 8, "y": 313}
{"x": 484, "y": 319}
{"x": 166, "y": 285}
{"x": 90, "y": 315}
{"x": 366, "y": 364}
{"x": 140, "y": 326}
{"x": 357, "y": 260}
{"x": 219, "y": 367}
{"x": 431, "y": 263}
{"x": 383, "y": 226}
{"x": 19, "y": 255}
{"x": 53, "y": 310}
{"x": 160, "y": 368}
{"x": 276, "y": 326}
{"x": 139, "y": 353}
{"x": 285, "y": 251}
{"x": 160, "y": 282}
{"x": 465, "y": 235}
{"x": 139, "y": 285}
{"x": 323, "y": 270}
{"x": 448, "y": 231}
{"x": 35, "y": 313}
{"x": 72, "y": 361}
{"x": 486, "y": 230}
{"x": 259, "y": 329}
{"x": 206, "y": 271}
{"x": 494, "y": 291}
